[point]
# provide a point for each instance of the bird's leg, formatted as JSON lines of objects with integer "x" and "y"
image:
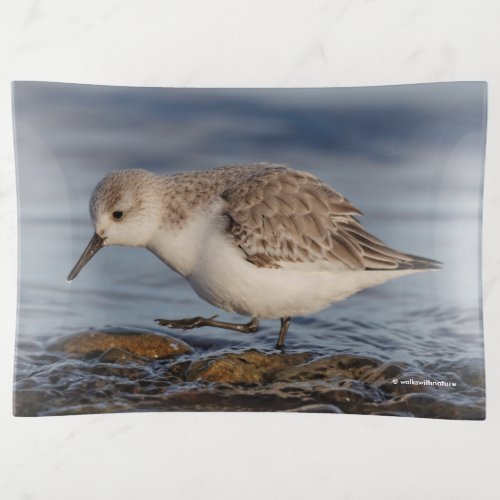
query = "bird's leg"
{"x": 198, "y": 321}
{"x": 285, "y": 323}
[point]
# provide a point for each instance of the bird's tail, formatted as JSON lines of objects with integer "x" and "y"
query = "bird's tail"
{"x": 417, "y": 262}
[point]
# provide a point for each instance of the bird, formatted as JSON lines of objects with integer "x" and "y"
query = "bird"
{"x": 261, "y": 240}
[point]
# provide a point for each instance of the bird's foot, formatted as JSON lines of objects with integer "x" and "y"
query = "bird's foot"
{"x": 198, "y": 321}
{"x": 186, "y": 323}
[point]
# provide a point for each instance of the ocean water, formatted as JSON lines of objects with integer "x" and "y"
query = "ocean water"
{"x": 410, "y": 157}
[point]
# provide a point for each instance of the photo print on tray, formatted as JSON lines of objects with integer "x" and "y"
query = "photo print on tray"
{"x": 298, "y": 250}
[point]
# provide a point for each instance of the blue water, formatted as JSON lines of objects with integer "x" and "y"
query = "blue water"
{"x": 411, "y": 159}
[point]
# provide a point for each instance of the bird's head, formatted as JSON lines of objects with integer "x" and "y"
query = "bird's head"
{"x": 125, "y": 210}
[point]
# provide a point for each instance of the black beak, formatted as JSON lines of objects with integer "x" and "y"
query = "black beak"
{"x": 95, "y": 244}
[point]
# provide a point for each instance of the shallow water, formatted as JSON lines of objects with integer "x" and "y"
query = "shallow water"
{"x": 344, "y": 359}
{"x": 222, "y": 375}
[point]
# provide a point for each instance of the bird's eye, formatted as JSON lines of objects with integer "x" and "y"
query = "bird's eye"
{"x": 118, "y": 214}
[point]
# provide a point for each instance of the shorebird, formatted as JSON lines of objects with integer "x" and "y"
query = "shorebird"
{"x": 260, "y": 240}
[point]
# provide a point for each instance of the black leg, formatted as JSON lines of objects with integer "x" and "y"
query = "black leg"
{"x": 285, "y": 323}
{"x": 198, "y": 321}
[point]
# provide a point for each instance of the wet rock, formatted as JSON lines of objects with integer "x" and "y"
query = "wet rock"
{"x": 387, "y": 377}
{"x": 250, "y": 367}
{"x": 431, "y": 406}
{"x": 317, "y": 408}
{"x": 347, "y": 397}
{"x": 139, "y": 343}
{"x": 68, "y": 380}
{"x": 27, "y": 402}
{"x": 383, "y": 374}
{"x": 116, "y": 355}
{"x": 392, "y": 413}
{"x": 331, "y": 367}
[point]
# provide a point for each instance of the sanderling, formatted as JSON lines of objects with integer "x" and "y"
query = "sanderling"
{"x": 260, "y": 240}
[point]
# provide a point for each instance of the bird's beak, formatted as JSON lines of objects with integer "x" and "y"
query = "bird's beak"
{"x": 95, "y": 244}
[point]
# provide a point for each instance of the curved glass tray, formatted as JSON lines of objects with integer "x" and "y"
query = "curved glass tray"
{"x": 410, "y": 157}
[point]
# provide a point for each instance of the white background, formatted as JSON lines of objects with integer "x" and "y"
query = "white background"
{"x": 248, "y": 43}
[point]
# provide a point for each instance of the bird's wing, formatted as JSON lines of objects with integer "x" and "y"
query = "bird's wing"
{"x": 278, "y": 215}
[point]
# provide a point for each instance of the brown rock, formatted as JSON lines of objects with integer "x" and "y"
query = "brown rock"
{"x": 252, "y": 367}
{"x": 115, "y": 355}
{"x": 384, "y": 373}
{"x": 139, "y": 343}
{"x": 328, "y": 368}
{"x": 342, "y": 396}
